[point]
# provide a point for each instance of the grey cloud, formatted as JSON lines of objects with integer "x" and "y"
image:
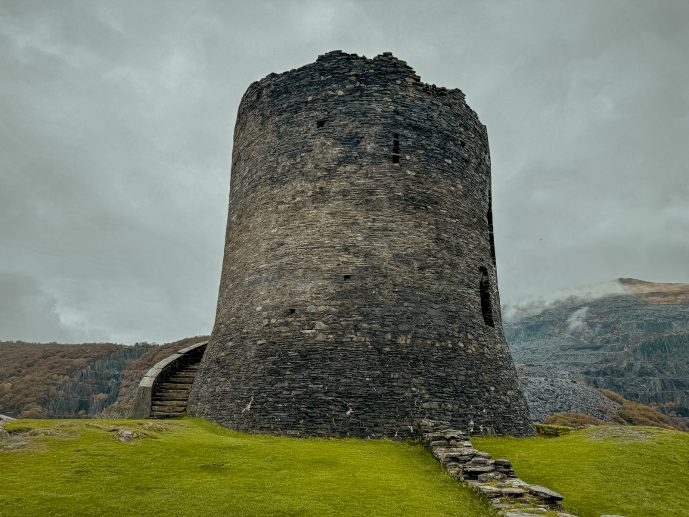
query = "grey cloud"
{"x": 117, "y": 121}
{"x": 29, "y": 313}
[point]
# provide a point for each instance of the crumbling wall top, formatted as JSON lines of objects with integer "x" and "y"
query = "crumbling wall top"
{"x": 385, "y": 63}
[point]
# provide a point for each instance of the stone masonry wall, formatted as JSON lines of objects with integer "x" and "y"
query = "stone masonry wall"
{"x": 358, "y": 241}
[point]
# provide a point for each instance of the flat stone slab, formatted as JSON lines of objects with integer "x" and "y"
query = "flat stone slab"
{"x": 489, "y": 491}
{"x": 478, "y": 469}
{"x": 513, "y": 491}
{"x": 543, "y": 492}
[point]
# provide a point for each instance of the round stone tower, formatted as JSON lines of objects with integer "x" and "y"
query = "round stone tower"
{"x": 358, "y": 291}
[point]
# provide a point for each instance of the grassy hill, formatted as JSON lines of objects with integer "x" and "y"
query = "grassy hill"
{"x": 631, "y": 471}
{"x": 192, "y": 467}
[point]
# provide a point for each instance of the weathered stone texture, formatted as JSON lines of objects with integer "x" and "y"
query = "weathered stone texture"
{"x": 495, "y": 479}
{"x": 358, "y": 228}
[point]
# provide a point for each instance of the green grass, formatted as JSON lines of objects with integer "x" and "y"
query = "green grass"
{"x": 197, "y": 468}
{"x": 631, "y": 471}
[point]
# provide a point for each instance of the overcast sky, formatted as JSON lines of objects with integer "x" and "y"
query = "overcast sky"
{"x": 116, "y": 124}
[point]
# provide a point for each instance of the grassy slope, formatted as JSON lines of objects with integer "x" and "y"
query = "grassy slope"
{"x": 197, "y": 468}
{"x": 631, "y": 471}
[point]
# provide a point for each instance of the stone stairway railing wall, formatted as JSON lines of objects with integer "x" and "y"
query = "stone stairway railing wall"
{"x": 160, "y": 373}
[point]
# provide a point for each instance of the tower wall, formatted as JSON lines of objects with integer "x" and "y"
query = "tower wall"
{"x": 357, "y": 247}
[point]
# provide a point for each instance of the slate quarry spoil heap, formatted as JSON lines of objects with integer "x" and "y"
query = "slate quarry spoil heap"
{"x": 358, "y": 292}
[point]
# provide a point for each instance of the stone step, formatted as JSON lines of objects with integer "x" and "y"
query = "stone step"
{"x": 176, "y": 410}
{"x": 179, "y": 380}
{"x": 171, "y": 394}
{"x": 185, "y": 386}
{"x": 177, "y": 406}
{"x": 187, "y": 371}
{"x": 185, "y": 375}
{"x": 169, "y": 402}
{"x": 182, "y": 400}
{"x": 160, "y": 414}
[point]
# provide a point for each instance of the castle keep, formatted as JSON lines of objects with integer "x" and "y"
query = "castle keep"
{"x": 358, "y": 291}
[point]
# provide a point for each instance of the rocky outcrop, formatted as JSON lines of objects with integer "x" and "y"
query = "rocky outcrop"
{"x": 550, "y": 390}
{"x": 634, "y": 341}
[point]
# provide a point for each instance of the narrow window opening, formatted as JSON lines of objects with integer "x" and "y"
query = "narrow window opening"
{"x": 320, "y": 123}
{"x": 462, "y": 143}
{"x": 346, "y": 277}
{"x": 486, "y": 303}
{"x": 396, "y": 148}
{"x": 491, "y": 237}
{"x": 292, "y": 311}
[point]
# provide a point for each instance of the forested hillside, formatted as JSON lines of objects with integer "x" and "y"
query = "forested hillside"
{"x": 66, "y": 381}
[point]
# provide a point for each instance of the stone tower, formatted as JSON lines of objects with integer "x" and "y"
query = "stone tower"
{"x": 358, "y": 291}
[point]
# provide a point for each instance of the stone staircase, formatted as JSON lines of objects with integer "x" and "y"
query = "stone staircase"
{"x": 164, "y": 390}
{"x": 170, "y": 398}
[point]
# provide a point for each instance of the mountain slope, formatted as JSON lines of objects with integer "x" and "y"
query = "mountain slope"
{"x": 634, "y": 341}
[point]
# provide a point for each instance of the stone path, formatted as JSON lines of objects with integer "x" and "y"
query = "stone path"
{"x": 495, "y": 479}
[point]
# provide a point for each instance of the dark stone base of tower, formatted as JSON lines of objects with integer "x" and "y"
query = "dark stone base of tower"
{"x": 358, "y": 293}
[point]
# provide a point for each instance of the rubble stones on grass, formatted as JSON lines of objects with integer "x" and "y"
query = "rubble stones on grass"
{"x": 155, "y": 427}
{"x": 13, "y": 446}
{"x": 43, "y": 432}
{"x": 125, "y": 435}
{"x": 17, "y": 438}
{"x": 495, "y": 479}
